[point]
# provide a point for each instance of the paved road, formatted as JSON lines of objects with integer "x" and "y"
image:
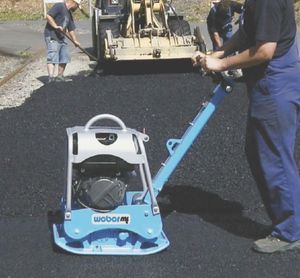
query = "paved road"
{"x": 20, "y": 36}
{"x": 212, "y": 213}
{"x": 211, "y": 208}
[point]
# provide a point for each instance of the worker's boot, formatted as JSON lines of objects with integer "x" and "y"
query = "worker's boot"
{"x": 271, "y": 244}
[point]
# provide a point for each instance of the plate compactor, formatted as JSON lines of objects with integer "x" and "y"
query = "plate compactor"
{"x": 100, "y": 215}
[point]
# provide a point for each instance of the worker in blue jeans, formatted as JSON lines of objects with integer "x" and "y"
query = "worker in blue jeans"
{"x": 268, "y": 54}
{"x": 60, "y": 20}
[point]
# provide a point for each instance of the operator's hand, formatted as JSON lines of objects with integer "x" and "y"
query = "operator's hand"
{"x": 76, "y": 43}
{"x": 196, "y": 58}
{"x": 59, "y": 28}
{"x": 208, "y": 63}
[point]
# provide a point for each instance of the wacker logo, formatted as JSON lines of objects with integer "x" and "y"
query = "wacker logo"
{"x": 111, "y": 219}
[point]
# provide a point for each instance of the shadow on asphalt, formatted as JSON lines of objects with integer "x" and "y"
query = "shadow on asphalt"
{"x": 8, "y": 54}
{"x": 131, "y": 68}
{"x": 145, "y": 67}
{"x": 55, "y": 217}
{"x": 225, "y": 214}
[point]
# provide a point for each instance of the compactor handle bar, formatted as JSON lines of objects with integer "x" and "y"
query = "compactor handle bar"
{"x": 105, "y": 117}
{"x": 178, "y": 147}
{"x": 225, "y": 81}
{"x": 221, "y": 78}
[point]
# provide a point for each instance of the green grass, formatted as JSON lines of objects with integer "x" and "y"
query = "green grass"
{"x": 11, "y": 15}
{"x": 25, "y": 54}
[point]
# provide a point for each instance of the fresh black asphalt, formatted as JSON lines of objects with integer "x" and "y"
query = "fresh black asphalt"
{"x": 211, "y": 208}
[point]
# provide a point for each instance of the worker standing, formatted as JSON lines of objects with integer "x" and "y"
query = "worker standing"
{"x": 219, "y": 20}
{"x": 60, "y": 20}
{"x": 268, "y": 53}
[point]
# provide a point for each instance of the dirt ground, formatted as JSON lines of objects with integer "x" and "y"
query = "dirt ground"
{"x": 18, "y": 89}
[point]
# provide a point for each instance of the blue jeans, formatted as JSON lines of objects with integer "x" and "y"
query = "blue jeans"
{"x": 57, "y": 52}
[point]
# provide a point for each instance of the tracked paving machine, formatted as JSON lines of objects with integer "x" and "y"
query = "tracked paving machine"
{"x": 109, "y": 206}
{"x": 126, "y": 30}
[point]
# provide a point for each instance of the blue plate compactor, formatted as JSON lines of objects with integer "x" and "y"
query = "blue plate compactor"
{"x": 100, "y": 215}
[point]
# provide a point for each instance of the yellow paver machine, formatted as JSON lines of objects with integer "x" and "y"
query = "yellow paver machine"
{"x": 125, "y": 30}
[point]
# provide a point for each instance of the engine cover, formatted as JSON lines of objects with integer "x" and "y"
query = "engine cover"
{"x": 101, "y": 193}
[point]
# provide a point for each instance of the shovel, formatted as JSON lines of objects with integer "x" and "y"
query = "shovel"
{"x": 82, "y": 49}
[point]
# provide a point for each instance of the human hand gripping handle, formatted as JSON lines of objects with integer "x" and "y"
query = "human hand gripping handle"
{"x": 207, "y": 62}
{"x": 59, "y": 28}
{"x": 213, "y": 67}
{"x": 76, "y": 43}
{"x": 72, "y": 39}
{"x": 196, "y": 58}
{"x": 196, "y": 61}
{"x": 68, "y": 35}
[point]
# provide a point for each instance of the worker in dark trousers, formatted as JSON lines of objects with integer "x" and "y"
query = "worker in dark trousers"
{"x": 268, "y": 53}
{"x": 219, "y": 20}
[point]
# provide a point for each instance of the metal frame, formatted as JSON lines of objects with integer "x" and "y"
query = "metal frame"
{"x": 153, "y": 42}
{"x": 133, "y": 228}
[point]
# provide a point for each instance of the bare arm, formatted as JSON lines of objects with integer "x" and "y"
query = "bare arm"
{"x": 52, "y": 23}
{"x": 215, "y": 37}
{"x": 74, "y": 38}
{"x": 260, "y": 53}
{"x": 229, "y": 46}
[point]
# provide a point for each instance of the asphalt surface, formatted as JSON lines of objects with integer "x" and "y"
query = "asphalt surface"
{"x": 211, "y": 208}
